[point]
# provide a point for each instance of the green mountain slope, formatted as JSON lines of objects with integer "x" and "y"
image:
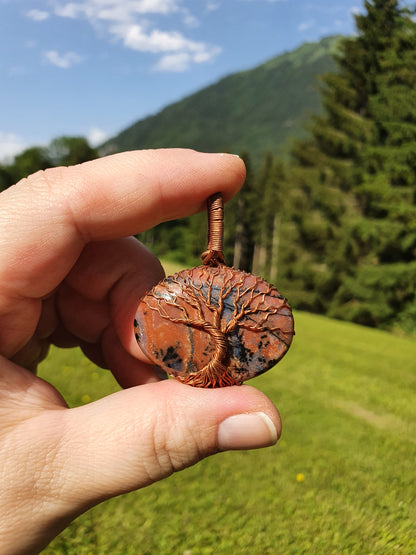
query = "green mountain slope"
{"x": 254, "y": 110}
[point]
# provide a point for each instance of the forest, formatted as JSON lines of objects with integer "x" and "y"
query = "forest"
{"x": 333, "y": 225}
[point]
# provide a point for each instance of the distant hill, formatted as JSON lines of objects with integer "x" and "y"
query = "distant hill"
{"x": 256, "y": 110}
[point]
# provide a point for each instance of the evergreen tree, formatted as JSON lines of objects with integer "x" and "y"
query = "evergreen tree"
{"x": 68, "y": 151}
{"x": 29, "y": 161}
{"x": 383, "y": 237}
{"x": 356, "y": 176}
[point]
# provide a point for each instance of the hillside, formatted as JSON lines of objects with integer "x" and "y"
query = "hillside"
{"x": 255, "y": 110}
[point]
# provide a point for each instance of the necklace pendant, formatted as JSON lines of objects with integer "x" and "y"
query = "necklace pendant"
{"x": 214, "y": 326}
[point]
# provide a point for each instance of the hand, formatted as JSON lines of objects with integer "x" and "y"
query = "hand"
{"x": 69, "y": 275}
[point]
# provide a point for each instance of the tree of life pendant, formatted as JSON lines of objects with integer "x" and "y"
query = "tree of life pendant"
{"x": 213, "y": 325}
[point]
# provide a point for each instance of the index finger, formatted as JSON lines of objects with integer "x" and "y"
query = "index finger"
{"x": 50, "y": 216}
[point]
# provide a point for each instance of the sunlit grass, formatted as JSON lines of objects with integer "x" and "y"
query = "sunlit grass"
{"x": 171, "y": 267}
{"x": 78, "y": 379}
{"x": 341, "y": 479}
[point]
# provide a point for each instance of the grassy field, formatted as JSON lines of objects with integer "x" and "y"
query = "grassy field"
{"x": 341, "y": 480}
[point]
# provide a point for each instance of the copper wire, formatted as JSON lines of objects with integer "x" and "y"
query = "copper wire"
{"x": 214, "y": 256}
{"x": 215, "y": 373}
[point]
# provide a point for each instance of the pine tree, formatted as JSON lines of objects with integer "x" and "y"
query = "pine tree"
{"x": 381, "y": 290}
{"x": 355, "y": 177}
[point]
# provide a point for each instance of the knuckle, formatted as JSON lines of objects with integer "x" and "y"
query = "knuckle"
{"x": 44, "y": 179}
{"x": 173, "y": 446}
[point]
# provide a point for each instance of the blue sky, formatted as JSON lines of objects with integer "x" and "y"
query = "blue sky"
{"x": 93, "y": 67}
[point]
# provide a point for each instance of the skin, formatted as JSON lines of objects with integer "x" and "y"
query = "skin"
{"x": 70, "y": 274}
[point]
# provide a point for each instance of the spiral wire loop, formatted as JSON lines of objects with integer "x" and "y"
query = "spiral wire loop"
{"x": 214, "y": 256}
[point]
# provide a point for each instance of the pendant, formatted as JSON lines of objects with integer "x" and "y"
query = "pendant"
{"x": 213, "y": 325}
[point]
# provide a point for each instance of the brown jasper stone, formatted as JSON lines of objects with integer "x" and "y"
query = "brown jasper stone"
{"x": 214, "y": 326}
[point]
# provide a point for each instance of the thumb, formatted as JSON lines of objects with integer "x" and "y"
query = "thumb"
{"x": 138, "y": 436}
{"x": 67, "y": 460}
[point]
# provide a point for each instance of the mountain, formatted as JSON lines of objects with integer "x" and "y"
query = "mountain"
{"x": 255, "y": 110}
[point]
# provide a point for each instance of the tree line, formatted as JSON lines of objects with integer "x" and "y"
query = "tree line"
{"x": 335, "y": 227}
{"x": 62, "y": 151}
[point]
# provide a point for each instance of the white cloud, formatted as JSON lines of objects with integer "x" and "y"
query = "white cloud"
{"x": 97, "y": 136}
{"x": 137, "y": 37}
{"x": 64, "y": 61}
{"x": 37, "y": 15}
{"x": 115, "y": 10}
{"x": 183, "y": 60}
{"x": 190, "y": 20}
{"x": 71, "y": 10}
{"x": 128, "y": 21}
{"x": 10, "y": 145}
{"x": 174, "y": 62}
{"x": 206, "y": 55}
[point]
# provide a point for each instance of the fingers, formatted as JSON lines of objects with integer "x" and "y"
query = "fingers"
{"x": 109, "y": 276}
{"x": 98, "y": 301}
{"x": 22, "y": 395}
{"x": 46, "y": 221}
{"x": 76, "y": 458}
{"x": 53, "y": 214}
{"x": 141, "y": 435}
{"x": 127, "y": 369}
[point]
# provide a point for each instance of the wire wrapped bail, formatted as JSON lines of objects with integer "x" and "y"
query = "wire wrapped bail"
{"x": 214, "y": 255}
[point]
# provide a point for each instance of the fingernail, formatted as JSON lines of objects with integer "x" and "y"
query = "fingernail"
{"x": 229, "y": 154}
{"x": 246, "y": 431}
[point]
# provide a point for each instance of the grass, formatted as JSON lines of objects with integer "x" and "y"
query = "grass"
{"x": 341, "y": 479}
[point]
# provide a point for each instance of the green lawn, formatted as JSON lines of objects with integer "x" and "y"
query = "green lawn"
{"x": 342, "y": 479}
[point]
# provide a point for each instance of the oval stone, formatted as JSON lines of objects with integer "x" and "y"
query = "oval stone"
{"x": 214, "y": 326}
